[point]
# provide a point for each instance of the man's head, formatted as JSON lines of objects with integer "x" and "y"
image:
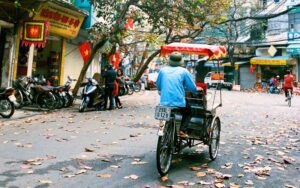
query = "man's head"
{"x": 108, "y": 67}
{"x": 175, "y": 59}
{"x": 288, "y": 71}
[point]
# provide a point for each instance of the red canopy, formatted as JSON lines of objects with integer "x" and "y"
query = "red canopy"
{"x": 213, "y": 52}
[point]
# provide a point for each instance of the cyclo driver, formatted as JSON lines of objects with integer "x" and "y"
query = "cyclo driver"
{"x": 171, "y": 83}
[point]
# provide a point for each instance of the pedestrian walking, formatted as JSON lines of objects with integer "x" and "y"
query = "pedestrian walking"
{"x": 109, "y": 74}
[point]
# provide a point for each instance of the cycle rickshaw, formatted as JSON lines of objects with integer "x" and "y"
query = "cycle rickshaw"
{"x": 204, "y": 125}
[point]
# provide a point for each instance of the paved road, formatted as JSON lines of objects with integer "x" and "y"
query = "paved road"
{"x": 260, "y": 147}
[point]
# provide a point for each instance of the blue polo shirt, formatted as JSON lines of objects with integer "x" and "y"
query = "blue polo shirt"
{"x": 172, "y": 82}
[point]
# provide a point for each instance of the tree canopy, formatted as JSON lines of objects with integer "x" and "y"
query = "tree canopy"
{"x": 155, "y": 23}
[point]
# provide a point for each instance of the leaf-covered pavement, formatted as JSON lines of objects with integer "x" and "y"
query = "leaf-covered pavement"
{"x": 260, "y": 147}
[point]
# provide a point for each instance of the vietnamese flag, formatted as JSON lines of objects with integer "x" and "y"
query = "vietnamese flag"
{"x": 129, "y": 24}
{"x": 115, "y": 60}
{"x": 85, "y": 51}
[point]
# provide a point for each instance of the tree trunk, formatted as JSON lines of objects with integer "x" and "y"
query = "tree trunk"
{"x": 87, "y": 64}
{"x": 145, "y": 66}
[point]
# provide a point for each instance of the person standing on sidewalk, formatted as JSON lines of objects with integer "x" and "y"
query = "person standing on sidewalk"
{"x": 120, "y": 82}
{"x": 109, "y": 74}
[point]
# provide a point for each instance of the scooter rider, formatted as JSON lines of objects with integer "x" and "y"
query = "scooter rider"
{"x": 171, "y": 83}
{"x": 110, "y": 77}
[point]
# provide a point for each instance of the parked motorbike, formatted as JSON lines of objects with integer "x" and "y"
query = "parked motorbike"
{"x": 63, "y": 94}
{"x": 30, "y": 92}
{"x": 129, "y": 86}
{"x": 92, "y": 96}
{"x": 7, "y": 102}
{"x": 69, "y": 98}
{"x": 274, "y": 90}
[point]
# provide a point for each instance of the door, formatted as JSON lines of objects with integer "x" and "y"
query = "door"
{"x": 247, "y": 79}
{"x": 2, "y": 44}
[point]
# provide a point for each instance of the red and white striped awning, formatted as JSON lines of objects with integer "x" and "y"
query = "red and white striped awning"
{"x": 212, "y": 51}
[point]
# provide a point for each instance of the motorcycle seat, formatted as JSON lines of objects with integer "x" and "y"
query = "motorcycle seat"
{"x": 42, "y": 88}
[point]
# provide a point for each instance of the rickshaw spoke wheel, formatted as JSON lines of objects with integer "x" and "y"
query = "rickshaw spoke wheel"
{"x": 214, "y": 138}
{"x": 164, "y": 150}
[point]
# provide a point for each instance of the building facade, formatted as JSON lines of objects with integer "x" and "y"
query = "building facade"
{"x": 277, "y": 50}
{"x": 58, "y": 57}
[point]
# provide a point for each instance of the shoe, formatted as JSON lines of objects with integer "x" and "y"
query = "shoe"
{"x": 182, "y": 134}
{"x": 286, "y": 99}
{"x": 120, "y": 107}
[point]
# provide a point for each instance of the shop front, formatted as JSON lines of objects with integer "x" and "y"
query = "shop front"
{"x": 267, "y": 67}
{"x": 42, "y": 47}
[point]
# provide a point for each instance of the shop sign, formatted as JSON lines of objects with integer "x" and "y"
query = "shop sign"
{"x": 268, "y": 61}
{"x": 294, "y": 36}
{"x": 293, "y": 51}
{"x": 35, "y": 32}
{"x": 63, "y": 22}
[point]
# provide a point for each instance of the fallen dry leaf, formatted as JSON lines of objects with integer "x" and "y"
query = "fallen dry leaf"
{"x": 45, "y": 181}
{"x": 234, "y": 185}
{"x": 249, "y": 182}
{"x": 241, "y": 175}
{"x": 194, "y": 168}
{"x": 89, "y": 150}
{"x": 104, "y": 175}
{"x": 204, "y": 183}
{"x": 133, "y": 177}
{"x": 201, "y": 174}
{"x": 139, "y": 162}
{"x": 69, "y": 176}
{"x": 81, "y": 172}
{"x": 219, "y": 185}
{"x": 227, "y": 165}
{"x": 289, "y": 186}
{"x": 114, "y": 166}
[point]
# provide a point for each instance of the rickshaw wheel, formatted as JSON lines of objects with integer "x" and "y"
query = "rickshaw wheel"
{"x": 214, "y": 138}
{"x": 164, "y": 150}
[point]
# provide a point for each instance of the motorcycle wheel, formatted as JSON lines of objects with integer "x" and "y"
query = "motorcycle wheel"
{"x": 20, "y": 99}
{"x": 122, "y": 91}
{"x": 164, "y": 149}
{"x": 7, "y": 108}
{"x": 83, "y": 106}
{"x": 69, "y": 100}
{"x": 46, "y": 100}
{"x": 130, "y": 91}
{"x": 59, "y": 101}
{"x": 214, "y": 138}
{"x": 137, "y": 87}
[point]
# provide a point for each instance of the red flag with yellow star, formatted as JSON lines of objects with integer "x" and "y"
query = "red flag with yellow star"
{"x": 85, "y": 51}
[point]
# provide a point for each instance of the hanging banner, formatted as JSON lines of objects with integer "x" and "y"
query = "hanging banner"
{"x": 85, "y": 51}
{"x": 252, "y": 68}
{"x": 115, "y": 60}
{"x": 63, "y": 21}
{"x": 129, "y": 24}
{"x": 35, "y": 32}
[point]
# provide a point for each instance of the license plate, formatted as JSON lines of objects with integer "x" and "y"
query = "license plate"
{"x": 12, "y": 98}
{"x": 162, "y": 113}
